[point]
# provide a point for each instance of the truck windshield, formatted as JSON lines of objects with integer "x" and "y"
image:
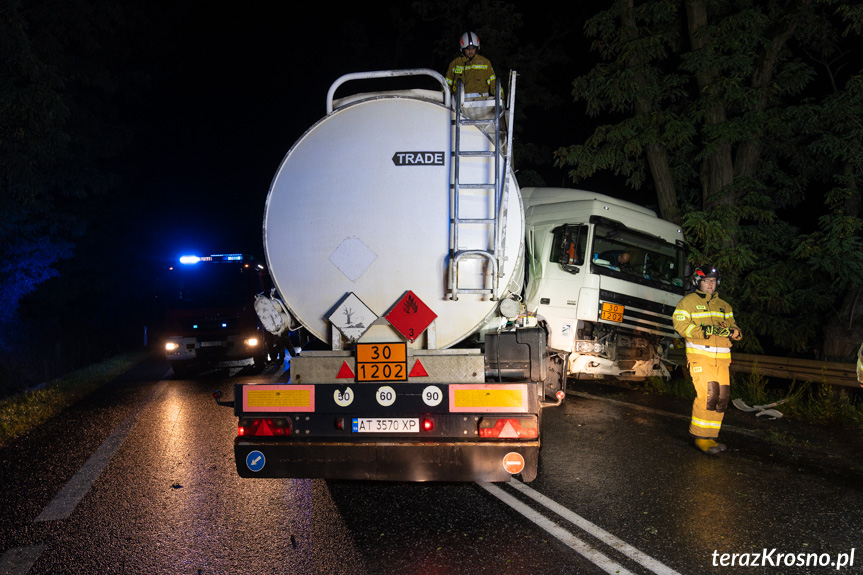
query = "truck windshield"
{"x": 211, "y": 285}
{"x": 640, "y": 258}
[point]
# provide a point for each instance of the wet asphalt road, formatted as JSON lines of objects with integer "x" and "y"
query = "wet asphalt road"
{"x": 631, "y": 493}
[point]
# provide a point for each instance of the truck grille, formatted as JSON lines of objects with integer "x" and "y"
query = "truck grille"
{"x": 641, "y": 314}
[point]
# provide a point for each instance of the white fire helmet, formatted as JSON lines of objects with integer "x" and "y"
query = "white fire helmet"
{"x": 469, "y": 40}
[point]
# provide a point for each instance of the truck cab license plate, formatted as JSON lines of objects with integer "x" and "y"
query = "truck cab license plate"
{"x": 385, "y": 425}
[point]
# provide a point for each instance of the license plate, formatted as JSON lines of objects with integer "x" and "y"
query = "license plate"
{"x": 385, "y": 425}
{"x": 611, "y": 312}
{"x": 212, "y": 343}
{"x": 382, "y": 362}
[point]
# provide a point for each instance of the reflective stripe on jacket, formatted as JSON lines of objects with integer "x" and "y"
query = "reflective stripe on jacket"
{"x": 477, "y": 75}
{"x": 693, "y": 313}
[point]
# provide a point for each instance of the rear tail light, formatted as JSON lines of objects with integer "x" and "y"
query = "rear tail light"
{"x": 264, "y": 427}
{"x": 427, "y": 424}
{"x": 508, "y": 428}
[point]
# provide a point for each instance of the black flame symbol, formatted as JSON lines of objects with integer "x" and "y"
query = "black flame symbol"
{"x": 411, "y": 305}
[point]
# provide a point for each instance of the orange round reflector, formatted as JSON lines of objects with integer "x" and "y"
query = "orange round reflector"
{"x": 513, "y": 462}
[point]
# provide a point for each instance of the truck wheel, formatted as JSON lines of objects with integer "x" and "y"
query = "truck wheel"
{"x": 277, "y": 353}
{"x": 181, "y": 368}
{"x": 260, "y": 363}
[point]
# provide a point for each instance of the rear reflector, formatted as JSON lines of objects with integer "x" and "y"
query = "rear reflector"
{"x": 508, "y": 428}
{"x": 264, "y": 427}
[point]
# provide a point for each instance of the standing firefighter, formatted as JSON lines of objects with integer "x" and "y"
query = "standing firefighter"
{"x": 707, "y": 323}
{"x": 471, "y": 68}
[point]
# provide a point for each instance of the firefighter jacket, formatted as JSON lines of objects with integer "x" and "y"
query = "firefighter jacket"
{"x": 476, "y": 73}
{"x": 694, "y": 313}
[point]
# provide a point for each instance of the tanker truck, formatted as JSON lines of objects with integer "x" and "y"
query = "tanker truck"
{"x": 394, "y": 233}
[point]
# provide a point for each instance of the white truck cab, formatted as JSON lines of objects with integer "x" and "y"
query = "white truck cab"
{"x": 605, "y": 275}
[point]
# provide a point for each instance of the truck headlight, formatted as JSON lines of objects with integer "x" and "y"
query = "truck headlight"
{"x": 171, "y": 346}
{"x": 589, "y": 347}
{"x": 251, "y": 342}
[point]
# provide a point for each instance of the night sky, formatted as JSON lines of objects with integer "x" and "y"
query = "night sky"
{"x": 233, "y": 91}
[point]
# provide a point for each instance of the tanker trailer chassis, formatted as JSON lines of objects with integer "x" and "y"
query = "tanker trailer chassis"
{"x": 444, "y": 422}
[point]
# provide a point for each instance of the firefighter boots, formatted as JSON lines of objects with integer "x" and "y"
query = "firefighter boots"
{"x": 710, "y": 446}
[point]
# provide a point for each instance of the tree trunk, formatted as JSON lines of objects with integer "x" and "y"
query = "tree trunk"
{"x": 717, "y": 169}
{"x": 843, "y": 334}
{"x": 657, "y": 156}
{"x": 749, "y": 151}
{"x": 669, "y": 208}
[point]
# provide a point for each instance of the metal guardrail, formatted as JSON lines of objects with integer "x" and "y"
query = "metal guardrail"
{"x": 787, "y": 368}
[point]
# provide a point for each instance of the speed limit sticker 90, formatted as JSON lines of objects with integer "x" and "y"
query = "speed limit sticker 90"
{"x": 432, "y": 395}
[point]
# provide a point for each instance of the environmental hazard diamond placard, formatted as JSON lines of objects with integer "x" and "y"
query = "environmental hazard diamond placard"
{"x": 410, "y": 316}
{"x": 352, "y": 317}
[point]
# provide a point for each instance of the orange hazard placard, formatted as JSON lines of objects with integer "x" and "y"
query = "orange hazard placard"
{"x": 382, "y": 362}
{"x": 513, "y": 462}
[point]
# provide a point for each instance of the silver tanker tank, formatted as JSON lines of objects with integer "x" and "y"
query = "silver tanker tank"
{"x": 362, "y": 204}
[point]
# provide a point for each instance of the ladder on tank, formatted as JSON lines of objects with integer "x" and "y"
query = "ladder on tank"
{"x": 499, "y": 155}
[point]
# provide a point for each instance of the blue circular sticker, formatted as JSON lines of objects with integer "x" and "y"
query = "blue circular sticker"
{"x": 255, "y": 460}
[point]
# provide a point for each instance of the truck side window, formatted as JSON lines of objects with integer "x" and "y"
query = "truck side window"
{"x": 569, "y": 244}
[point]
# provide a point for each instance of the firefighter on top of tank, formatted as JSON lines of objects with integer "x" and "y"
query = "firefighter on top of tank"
{"x": 706, "y": 321}
{"x": 471, "y": 68}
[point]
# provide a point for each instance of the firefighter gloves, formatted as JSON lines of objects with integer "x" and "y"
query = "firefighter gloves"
{"x": 715, "y": 330}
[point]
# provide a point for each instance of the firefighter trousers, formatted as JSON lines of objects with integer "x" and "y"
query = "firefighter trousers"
{"x": 713, "y": 391}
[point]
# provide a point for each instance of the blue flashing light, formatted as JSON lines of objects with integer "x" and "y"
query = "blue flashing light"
{"x": 224, "y": 325}
{"x": 195, "y": 326}
{"x": 191, "y": 259}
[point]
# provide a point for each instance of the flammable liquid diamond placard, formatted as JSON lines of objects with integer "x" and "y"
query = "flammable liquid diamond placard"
{"x": 411, "y": 316}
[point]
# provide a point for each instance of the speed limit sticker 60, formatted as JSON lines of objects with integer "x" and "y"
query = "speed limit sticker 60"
{"x": 386, "y": 395}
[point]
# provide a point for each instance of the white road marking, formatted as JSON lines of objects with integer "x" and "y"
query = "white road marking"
{"x": 567, "y": 538}
{"x": 74, "y": 491}
{"x": 631, "y": 552}
{"x": 20, "y": 560}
